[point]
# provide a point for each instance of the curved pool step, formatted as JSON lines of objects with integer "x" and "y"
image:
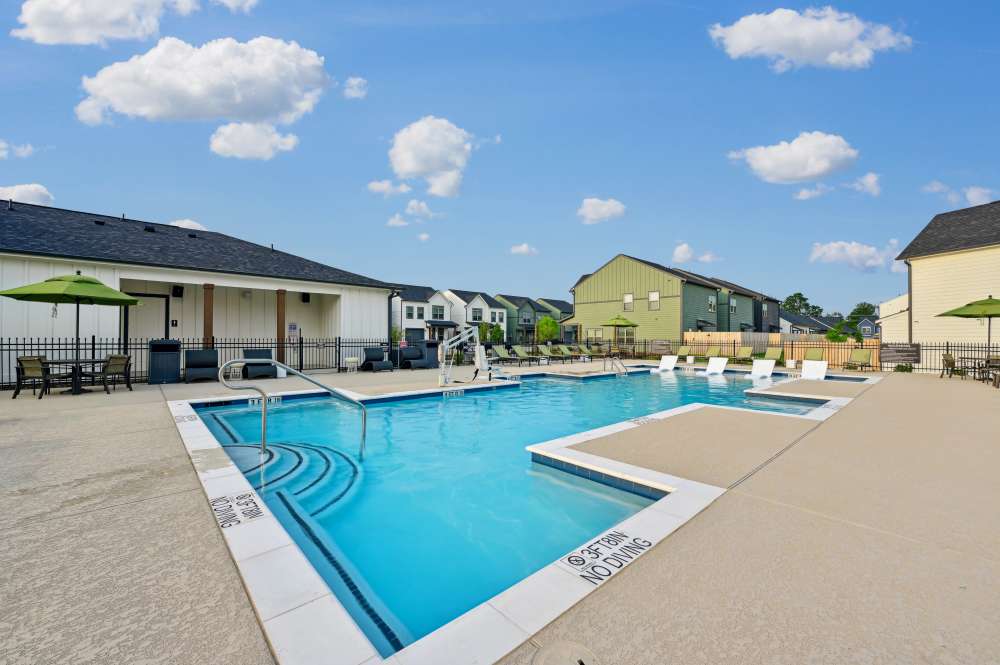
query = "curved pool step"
{"x": 317, "y": 476}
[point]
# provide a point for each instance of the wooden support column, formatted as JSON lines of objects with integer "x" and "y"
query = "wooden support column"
{"x": 280, "y": 329}
{"x": 208, "y": 316}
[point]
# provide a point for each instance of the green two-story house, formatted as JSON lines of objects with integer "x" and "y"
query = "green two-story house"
{"x": 662, "y": 301}
{"x": 522, "y": 315}
{"x": 561, "y": 310}
{"x": 735, "y": 312}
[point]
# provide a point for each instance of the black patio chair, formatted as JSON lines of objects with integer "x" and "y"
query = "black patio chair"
{"x": 255, "y": 371}
{"x": 412, "y": 357}
{"x": 374, "y": 360}
{"x": 114, "y": 366}
{"x": 34, "y": 369}
{"x": 201, "y": 364}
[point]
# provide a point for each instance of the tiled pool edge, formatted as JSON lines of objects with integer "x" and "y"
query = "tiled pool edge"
{"x": 304, "y": 622}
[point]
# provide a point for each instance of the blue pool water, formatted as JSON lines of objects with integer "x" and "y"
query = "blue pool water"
{"x": 447, "y": 509}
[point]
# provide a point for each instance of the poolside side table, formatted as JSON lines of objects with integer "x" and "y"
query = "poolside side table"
{"x": 352, "y": 364}
{"x": 236, "y": 371}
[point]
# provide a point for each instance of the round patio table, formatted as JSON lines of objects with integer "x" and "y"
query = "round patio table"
{"x": 76, "y": 385}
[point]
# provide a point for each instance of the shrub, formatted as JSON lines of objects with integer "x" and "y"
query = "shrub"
{"x": 546, "y": 329}
{"x": 903, "y": 367}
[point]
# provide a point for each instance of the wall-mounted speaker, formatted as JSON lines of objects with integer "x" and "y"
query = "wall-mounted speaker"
{"x": 177, "y": 291}
{"x": 305, "y": 297}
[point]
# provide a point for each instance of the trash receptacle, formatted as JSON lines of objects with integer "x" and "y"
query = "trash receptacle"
{"x": 164, "y": 361}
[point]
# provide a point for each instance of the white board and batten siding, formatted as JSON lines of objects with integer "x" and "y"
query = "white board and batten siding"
{"x": 244, "y": 305}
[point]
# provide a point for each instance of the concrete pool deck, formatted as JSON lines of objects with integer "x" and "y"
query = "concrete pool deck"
{"x": 873, "y": 538}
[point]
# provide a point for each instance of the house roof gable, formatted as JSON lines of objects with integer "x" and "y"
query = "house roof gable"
{"x": 968, "y": 228}
{"x": 54, "y": 232}
{"x": 468, "y": 296}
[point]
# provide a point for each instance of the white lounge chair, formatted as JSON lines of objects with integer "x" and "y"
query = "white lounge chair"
{"x": 667, "y": 364}
{"x": 814, "y": 370}
{"x": 761, "y": 369}
{"x": 716, "y": 365}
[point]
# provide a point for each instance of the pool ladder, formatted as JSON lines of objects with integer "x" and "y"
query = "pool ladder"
{"x": 263, "y": 397}
{"x": 617, "y": 366}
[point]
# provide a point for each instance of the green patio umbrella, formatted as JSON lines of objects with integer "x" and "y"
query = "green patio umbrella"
{"x": 617, "y": 322}
{"x": 988, "y": 309}
{"x": 72, "y": 289}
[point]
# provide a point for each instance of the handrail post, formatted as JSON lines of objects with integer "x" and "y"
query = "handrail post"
{"x": 263, "y": 401}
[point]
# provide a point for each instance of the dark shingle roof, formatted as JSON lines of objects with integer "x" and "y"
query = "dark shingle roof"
{"x": 742, "y": 290}
{"x": 977, "y": 226}
{"x": 45, "y": 231}
{"x": 520, "y": 301}
{"x": 687, "y": 275}
{"x": 467, "y": 296}
{"x": 562, "y": 305}
{"x": 416, "y": 293}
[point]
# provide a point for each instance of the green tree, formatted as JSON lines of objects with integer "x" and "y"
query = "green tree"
{"x": 484, "y": 332}
{"x": 396, "y": 335}
{"x": 546, "y": 328}
{"x": 496, "y": 333}
{"x": 799, "y": 304}
{"x": 844, "y": 331}
{"x": 860, "y": 311}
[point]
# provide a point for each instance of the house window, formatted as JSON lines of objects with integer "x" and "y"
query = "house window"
{"x": 732, "y": 308}
{"x": 420, "y": 313}
{"x": 477, "y": 314}
{"x": 654, "y": 301}
{"x": 866, "y": 330}
{"x": 763, "y": 308}
{"x": 711, "y": 303}
{"x": 499, "y": 317}
{"x": 437, "y": 312}
{"x": 409, "y": 311}
{"x": 595, "y": 333}
{"x": 627, "y": 302}
{"x": 625, "y": 335}
{"x": 493, "y": 317}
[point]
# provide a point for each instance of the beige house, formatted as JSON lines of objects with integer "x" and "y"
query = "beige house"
{"x": 894, "y": 319}
{"x": 953, "y": 261}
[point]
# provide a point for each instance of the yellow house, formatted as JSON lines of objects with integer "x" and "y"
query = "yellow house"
{"x": 894, "y": 318}
{"x": 953, "y": 261}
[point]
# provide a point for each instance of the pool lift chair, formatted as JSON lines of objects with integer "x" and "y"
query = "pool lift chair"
{"x": 446, "y": 358}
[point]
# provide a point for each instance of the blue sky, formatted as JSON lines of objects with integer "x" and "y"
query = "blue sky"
{"x": 630, "y": 101}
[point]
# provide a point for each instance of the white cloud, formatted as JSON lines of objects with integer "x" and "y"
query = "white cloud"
{"x": 683, "y": 253}
{"x": 418, "y": 209}
{"x": 386, "y": 188}
{"x": 858, "y": 256}
{"x": 188, "y": 224}
{"x": 816, "y": 37}
{"x": 238, "y": 5}
{"x": 33, "y": 193}
{"x": 423, "y": 237}
{"x": 868, "y": 184}
{"x": 595, "y": 211}
{"x": 22, "y": 151}
{"x": 433, "y": 149}
{"x": 809, "y": 156}
{"x": 397, "y": 220}
{"x": 973, "y": 195}
{"x": 524, "y": 249}
{"x": 805, "y": 193}
{"x": 251, "y": 140}
{"x": 355, "y": 87}
{"x": 709, "y": 257}
{"x": 100, "y": 21}
{"x": 257, "y": 83}
{"x": 976, "y": 195}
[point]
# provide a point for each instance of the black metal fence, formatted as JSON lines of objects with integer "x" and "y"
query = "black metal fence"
{"x": 332, "y": 353}
{"x": 300, "y": 353}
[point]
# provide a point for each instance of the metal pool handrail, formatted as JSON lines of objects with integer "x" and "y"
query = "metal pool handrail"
{"x": 263, "y": 402}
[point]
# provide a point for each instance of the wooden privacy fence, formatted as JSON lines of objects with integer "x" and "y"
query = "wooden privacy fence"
{"x": 794, "y": 346}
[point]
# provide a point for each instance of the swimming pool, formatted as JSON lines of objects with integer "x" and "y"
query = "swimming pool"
{"x": 447, "y": 509}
